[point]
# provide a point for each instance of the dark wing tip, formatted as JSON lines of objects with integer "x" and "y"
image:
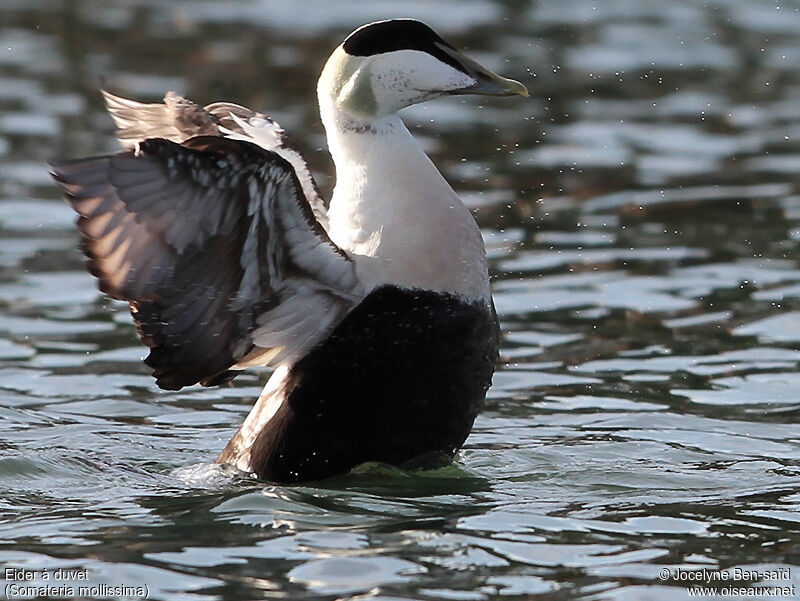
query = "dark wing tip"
{"x": 171, "y": 373}
{"x": 64, "y": 167}
{"x": 159, "y": 235}
{"x": 59, "y": 169}
{"x": 220, "y": 378}
{"x": 54, "y": 170}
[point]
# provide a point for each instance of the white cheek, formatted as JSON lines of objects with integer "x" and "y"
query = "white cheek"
{"x": 432, "y": 75}
{"x": 394, "y": 80}
{"x": 458, "y": 81}
{"x": 398, "y": 87}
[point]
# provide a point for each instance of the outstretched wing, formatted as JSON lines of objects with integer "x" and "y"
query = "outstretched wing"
{"x": 216, "y": 248}
{"x": 178, "y": 119}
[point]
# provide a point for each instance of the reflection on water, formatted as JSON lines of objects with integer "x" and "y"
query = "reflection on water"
{"x": 642, "y": 218}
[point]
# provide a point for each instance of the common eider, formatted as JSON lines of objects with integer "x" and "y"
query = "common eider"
{"x": 374, "y": 312}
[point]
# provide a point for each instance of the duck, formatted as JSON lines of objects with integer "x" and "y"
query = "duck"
{"x": 374, "y": 310}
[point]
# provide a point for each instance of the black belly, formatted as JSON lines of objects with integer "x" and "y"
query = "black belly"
{"x": 403, "y": 376}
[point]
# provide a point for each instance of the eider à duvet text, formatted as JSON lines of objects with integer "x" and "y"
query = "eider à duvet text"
{"x": 375, "y": 312}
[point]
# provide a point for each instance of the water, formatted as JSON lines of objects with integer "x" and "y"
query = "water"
{"x": 642, "y": 217}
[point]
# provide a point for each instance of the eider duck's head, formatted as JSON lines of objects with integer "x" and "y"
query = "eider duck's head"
{"x": 385, "y": 66}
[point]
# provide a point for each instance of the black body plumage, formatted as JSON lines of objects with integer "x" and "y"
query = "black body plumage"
{"x": 403, "y": 376}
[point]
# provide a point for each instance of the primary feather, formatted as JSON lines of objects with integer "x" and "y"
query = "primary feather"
{"x": 216, "y": 247}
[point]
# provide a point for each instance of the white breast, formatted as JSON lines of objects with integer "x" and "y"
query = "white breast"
{"x": 397, "y": 216}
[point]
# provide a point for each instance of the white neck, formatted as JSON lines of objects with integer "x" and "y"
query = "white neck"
{"x": 395, "y": 214}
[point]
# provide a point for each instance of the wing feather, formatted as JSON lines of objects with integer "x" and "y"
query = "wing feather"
{"x": 179, "y": 119}
{"x": 216, "y": 248}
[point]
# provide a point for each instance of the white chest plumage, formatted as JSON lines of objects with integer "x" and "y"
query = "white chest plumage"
{"x": 398, "y": 218}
